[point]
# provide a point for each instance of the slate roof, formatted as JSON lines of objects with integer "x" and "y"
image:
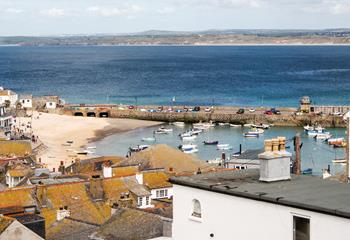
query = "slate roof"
{"x": 304, "y": 192}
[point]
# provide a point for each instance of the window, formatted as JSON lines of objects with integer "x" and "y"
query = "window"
{"x": 196, "y": 209}
{"x": 162, "y": 193}
{"x": 147, "y": 201}
{"x": 139, "y": 201}
{"x": 301, "y": 228}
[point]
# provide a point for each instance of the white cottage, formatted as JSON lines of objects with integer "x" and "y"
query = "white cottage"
{"x": 51, "y": 105}
{"x": 6, "y": 120}
{"x": 26, "y": 101}
{"x": 265, "y": 204}
{"x": 8, "y": 96}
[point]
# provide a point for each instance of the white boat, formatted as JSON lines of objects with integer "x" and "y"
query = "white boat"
{"x": 178, "y": 124}
{"x": 224, "y": 124}
{"x": 194, "y": 150}
{"x": 262, "y": 126}
{"x": 186, "y": 134}
{"x": 191, "y": 138}
{"x": 188, "y": 146}
{"x": 323, "y": 136}
{"x": 256, "y": 131}
{"x": 161, "y": 132}
{"x": 148, "y": 139}
{"x": 163, "y": 129}
{"x": 91, "y": 147}
{"x": 313, "y": 133}
{"x": 196, "y": 131}
{"x": 224, "y": 146}
{"x": 247, "y": 134}
{"x": 235, "y": 125}
{"x": 309, "y": 128}
{"x": 139, "y": 148}
{"x": 339, "y": 161}
{"x": 248, "y": 125}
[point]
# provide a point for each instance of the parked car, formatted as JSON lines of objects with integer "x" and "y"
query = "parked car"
{"x": 268, "y": 112}
{"x": 152, "y": 110}
{"x": 275, "y": 111}
{"x": 196, "y": 109}
{"x": 131, "y": 107}
{"x": 179, "y": 111}
{"x": 207, "y": 109}
{"x": 160, "y": 108}
{"x": 143, "y": 110}
{"x": 252, "y": 110}
{"x": 240, "y": 111}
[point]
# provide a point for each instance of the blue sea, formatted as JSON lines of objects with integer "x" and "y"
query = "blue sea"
{"x": 196, "y": 75}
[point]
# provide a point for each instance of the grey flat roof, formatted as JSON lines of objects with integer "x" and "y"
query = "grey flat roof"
{"x": 50, "y": 181}
{"x": 250, "y": 154}
{"x": 304, "y": 192}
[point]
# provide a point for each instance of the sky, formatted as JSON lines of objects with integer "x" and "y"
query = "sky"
{"x": 55, "y": 17}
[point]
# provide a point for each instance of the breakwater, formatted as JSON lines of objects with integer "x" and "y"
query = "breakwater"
{"x": 288, "y": 116}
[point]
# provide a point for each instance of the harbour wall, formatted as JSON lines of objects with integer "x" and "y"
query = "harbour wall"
{"x": 227, "y": 114}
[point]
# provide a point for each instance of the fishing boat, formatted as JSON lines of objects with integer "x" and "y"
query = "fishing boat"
{"x": 247, "y": 134}
{"x": 235, "y": 125}
{"x": 211, "y": 142}
{"x": 339, "y": 161}
{"x": 224, "y": 146}
{"x": 323, "y": 136}
{"x": 191, "y": 138}
{"x": 148, "y": 139}
{"x": 138, "y": 148}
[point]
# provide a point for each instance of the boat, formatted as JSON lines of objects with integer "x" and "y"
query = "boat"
{"x": 224, "y": 146}
{"x": 247, "y": 134}
{"x": 186, "y": 134}
{"x": 196, "y": 131}
{"x": 323, "y": 136}
{"x": 91, "y": 147}
{"x": 224, "y": 124}
{"x": 163, "y": 129}
{"x": 187, "y": 146}
{"x": 313, "y": 133}
{"x": 211, "y": 142}
{"x": 138, "y": 148}
{"x": 84, "y": 152}
{"x": 70, "y": 142}
{"x": 256, "y": 131}
{"x": 160, "y": 132}
{"x": 307, "y": 171}
{"x": 235, "y": 125}
{"x": 342, "y": 145}
{"x": 339, "y": 161}
{"x": 309, "y": 128}
{"x": 194, "y": 150}
{"x": 178, "y": 124}
{"x": 334, "y": 141}
{"x": 262, "y": 126}
{"x": 191, "y": 138}
{"x": 148, "y": 139}
{"x": 248, "y": 125}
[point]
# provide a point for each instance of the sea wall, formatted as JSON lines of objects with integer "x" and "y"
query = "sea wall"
{"x": 287, "y": 118}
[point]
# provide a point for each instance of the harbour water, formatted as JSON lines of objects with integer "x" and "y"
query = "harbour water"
{"x": 315, "y": 154}
{"x": 195, "y": 75}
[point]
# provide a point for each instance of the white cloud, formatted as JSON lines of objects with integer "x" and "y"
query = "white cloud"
{"x": 13, "y": 10}
{"x": 340, "y": 8}
{"x": 114, "y": 11}
{"x": 166, "y": 10}
{"x": 53, "y": 12}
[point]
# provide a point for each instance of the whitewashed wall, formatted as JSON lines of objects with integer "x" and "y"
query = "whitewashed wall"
{"x": 229, "y": 217}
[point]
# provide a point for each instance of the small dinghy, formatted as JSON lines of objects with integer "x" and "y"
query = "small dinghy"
{"x": 190, "y": 151}
{"x": 211, "y": 142}
{"x": 178, "y": 124}
{"x": 224, "y": 146}
{"x": 339, "y": 161}
{"x": 191, "y": 138}
{"x": 250, "y": 135}
{"x": 139, "y": 148}
{"x": 163, "y": 129}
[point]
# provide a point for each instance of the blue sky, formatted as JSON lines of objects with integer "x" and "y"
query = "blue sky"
{"x": 50, "y": 17}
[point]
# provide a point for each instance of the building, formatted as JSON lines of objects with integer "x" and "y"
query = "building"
{"x": 8, "y": 97}
{"x": 15, "y": 175}
{"x": 6, "y": 120}
{"x": 265, "y": 204}
{"x": 11, "y": 229}
{"x": 305, "y": 104}
{"x": 157, "y": 181}
{"x": 26, "y": 101}
{"x": 50, "y": 105}
{"x": 247, "y": 160}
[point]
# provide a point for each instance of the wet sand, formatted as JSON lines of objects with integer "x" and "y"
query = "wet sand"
{"x": 55, "y": 130}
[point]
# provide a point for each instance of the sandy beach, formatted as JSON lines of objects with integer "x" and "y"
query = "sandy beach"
{"x": 55, "y": 130}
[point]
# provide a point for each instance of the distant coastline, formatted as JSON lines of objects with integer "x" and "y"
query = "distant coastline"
{"x": 327, "y": 37}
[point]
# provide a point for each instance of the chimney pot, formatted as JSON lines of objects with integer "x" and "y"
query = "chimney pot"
{"x": 268, "y": 145}
{"x": 275, "y": 145}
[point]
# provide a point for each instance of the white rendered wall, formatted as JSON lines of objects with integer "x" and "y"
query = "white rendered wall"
{"x": 229, "y": 217}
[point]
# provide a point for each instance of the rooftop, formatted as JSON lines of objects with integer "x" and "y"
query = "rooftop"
{"x": 304, "y": 192}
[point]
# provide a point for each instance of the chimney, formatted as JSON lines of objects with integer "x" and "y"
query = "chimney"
{"x": 62, "y": 213}
{"x": 77, "y": 165}
{"x": 275, "y": 161}
{"x": 61, "y": 168}
{"x": 96, "y": 187}
{"x": 41, "y": 194}
{"x": 139, "y": 178}
{"x": 107, "y": 170}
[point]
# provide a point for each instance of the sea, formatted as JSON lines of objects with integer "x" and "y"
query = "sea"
{"x": 273, "y": 76}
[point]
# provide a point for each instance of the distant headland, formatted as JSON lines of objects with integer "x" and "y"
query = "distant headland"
{"x": 208, "y": 37}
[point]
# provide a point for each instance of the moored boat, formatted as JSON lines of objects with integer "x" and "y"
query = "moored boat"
{"x": 211, "y": 142}
{"x": 148, "y": 139}
{"x": 235, "y": 125}
{"x": 178, "y": 124}
{"x": 138, "y": 148}
{"x": 224, "y": 146}
{"x": 323, "y": 136}
{"x": 247, "y": 134}
{"x": 190, "y": 138}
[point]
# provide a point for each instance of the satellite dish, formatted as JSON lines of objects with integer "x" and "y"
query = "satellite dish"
{"x": 346, "y": 116}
